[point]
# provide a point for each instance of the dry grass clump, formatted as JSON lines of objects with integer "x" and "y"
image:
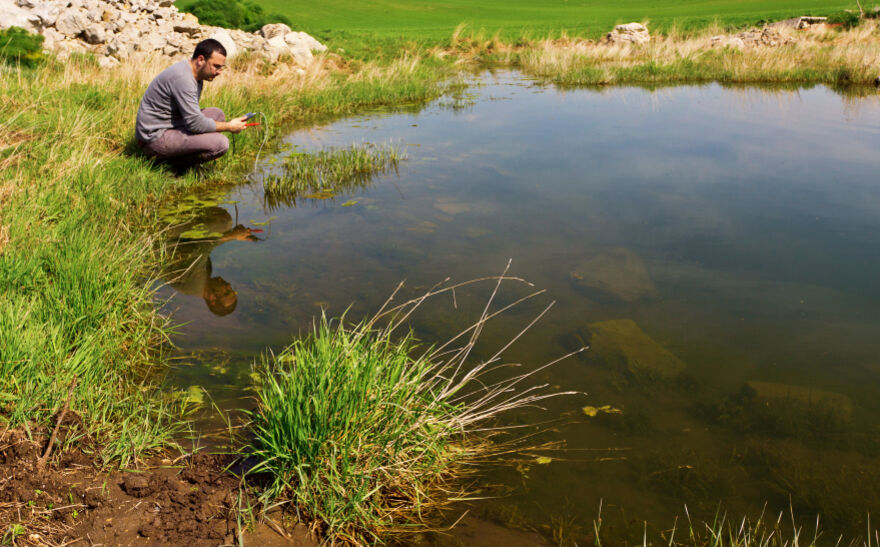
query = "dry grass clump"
{"x": 466, "y": 47}
{"x": 811, "y": 56}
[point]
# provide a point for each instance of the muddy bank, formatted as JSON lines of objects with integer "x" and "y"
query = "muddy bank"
{"x": 192, "y": 500}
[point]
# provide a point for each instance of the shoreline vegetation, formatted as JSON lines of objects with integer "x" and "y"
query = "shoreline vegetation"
{"x": 80, "y": 236}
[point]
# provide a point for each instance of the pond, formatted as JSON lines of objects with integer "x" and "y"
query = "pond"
{"x": 717, "y": 248}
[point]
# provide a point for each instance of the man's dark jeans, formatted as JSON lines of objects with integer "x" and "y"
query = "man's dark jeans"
{"x": 183, "y": 149}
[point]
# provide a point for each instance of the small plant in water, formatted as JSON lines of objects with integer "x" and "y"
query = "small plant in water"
{"x": 360, "y": 430}
{"x": 330, "y": 171}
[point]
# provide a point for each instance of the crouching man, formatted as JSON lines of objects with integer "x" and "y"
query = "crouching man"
{"x": 170, "y": 125}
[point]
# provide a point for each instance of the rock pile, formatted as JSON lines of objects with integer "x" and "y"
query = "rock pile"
{"x": 116, "y": 29}
{"x": 768, "y": 36}
{"x": 630, "y": 33}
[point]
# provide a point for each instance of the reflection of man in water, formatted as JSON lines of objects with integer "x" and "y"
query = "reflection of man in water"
{"x": 190, "y": 270}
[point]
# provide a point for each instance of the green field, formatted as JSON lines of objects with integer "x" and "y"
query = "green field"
{"x": 432, "y": 20}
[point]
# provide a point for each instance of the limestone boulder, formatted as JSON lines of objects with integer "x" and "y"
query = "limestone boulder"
{"x": 94, "y": 34}
{"x": 47, "y": 12}
{"x": 117, "y": 29}
{"x": 51, "y": 37}
{"x": 223, "y": 36}
{"x": 247, "y": 40}
{"x": 300, "y": 39}
{"x": 727, "y": 41}
{"x": 120, "y": 48}
{"x": 630, "y": 33}
{"x": 188, "y": 25}
{"x": 12, "y": 15}
{"x": 275, "y": 48}
{"x": 274, "y": 29}
{"x": 301, "y": 55}
{"x": 766, "y": 37}
{"x": 178, "y": 40}
{"x": 151, "y": 42}
{"x": 71, "y": 23}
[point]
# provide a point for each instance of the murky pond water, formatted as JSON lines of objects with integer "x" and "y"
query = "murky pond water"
{"x": 717, "y": 248}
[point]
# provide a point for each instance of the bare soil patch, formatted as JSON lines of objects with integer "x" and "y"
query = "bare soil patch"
{"x": 192, "y": 502}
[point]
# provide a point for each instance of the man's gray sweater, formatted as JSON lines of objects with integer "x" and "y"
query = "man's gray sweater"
{"x": 172, "y": 101}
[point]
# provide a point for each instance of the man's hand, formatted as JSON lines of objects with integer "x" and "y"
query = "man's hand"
{"x": 234, "y": 125}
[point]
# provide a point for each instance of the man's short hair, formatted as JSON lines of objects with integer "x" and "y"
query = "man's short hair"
{"x": 206, "y": 48}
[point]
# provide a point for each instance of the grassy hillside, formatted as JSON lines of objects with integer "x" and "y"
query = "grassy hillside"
{"x": 433, "y": 20}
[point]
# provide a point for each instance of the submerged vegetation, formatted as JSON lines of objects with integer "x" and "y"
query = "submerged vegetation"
{"x": 326, "y": 172}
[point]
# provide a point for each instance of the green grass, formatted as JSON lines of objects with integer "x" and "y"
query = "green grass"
{"x": 359, "y": 429}
{"x": 348, "y": 432}
{"x": 367, "y": 27}
{"x": 78, "y": 209}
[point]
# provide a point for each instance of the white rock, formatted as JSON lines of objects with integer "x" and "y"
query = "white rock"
{"x": 51, "y": 37}
{"x": 301, "y": 55}
{"x": 150, "y": 42}
{"x": 94, "y": 34}
{"x": 275, "y": 48}
{"x": 187, "y": 25}
{"x": 274, "y": 29}
{"x": 633, "y": 33}
{"x": 727, "y": 41}
{"x": 47, "y": 12}
{"x": 25, "y": 4}
{"x": 120, "y": 48}
{"x": 176, "y": 39}
{"x": 295, "y": 39}
{"x": 14, "y": 16}
{"x": 71, "y": 23}
{"x": 222, "y": 36}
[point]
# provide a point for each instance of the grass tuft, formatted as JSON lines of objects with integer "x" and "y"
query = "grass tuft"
{"x": 359, "y": 428}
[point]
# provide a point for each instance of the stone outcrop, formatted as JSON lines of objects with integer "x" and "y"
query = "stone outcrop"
{"x": 765, "y": 37}
{"x": 114, "y": 30}
{"x": 630, "y": 33}
{"x": 623, "y": 342}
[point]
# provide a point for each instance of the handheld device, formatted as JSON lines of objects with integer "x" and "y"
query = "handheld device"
{"x": 249, "y": 115}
